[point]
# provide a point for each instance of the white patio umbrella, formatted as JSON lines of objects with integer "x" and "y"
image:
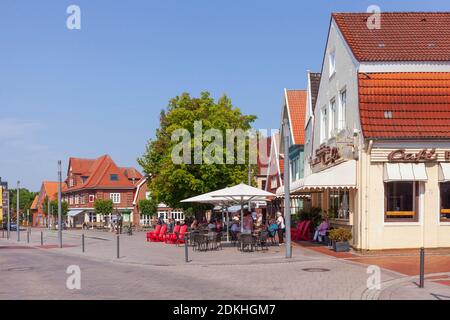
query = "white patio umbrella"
{"x": 227, "y": 201}
{"x": 206, "y": 198}
{"x": 241, "y": 194}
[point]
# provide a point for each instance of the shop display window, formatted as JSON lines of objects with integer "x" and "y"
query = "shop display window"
{"x": 401, "y": 201}
{"x": 445, "y": 201}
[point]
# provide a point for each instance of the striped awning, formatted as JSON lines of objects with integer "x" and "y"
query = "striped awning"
{"x": 405, "y": 172}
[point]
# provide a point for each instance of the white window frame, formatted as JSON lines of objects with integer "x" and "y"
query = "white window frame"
{"x": 77, "y": 199}
{"x": 331, "y": 118}
{"x": 342, "y": 112}
{"x": 332, "y": 63}
{"x": 71, "y": 199}
{"x": 91, "y": 198}
{"x": 148, "y": 195}
{"x": 323, "y": 124}
{"x": 115, "y": 197}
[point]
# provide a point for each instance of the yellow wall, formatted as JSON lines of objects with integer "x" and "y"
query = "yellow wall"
{"x": 377, "y": 234}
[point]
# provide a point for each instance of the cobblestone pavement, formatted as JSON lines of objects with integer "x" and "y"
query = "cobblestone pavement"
{"x": 158, "y": 271}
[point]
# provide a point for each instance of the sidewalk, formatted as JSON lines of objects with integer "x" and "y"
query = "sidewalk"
{"x": 332, "y": 275}
{"x": 136, "y": 250}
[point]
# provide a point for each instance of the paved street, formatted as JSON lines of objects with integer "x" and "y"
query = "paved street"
{"x": 158, "y": 271}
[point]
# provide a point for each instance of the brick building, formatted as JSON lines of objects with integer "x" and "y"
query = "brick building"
{"x": 49, "y": 189}
{"x": 89, "y": 180}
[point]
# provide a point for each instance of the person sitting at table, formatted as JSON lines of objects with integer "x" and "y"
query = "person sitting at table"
{"x": 235, "y": 229}
{"x": 219, "y": 225}
{"x": 194, "y": 225}
{"x": 170, "y": 226}
{"x": 211, "y": 226}
{"x": 321, "y": 230}
{"x": 248, "y": 223}
{"x": 272, "y": 228}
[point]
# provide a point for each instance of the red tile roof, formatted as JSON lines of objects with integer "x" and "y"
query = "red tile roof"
{"x": 51, "y": 189}
{"x": 281, "y": 162}
{"x": 403, "y": 36}
{"x": 99, "y": 173}
{"x": 296, "y": 100}
{"x": 132, "y": 173}
{"x": 81, "y": 166}
{"x": 405, "y": 105}
{"x": 34, "y": 205}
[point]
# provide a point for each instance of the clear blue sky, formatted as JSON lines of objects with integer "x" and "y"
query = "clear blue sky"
{"x": 100, "y": 89}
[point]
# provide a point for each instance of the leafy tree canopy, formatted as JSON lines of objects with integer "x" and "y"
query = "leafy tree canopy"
{"x": 148, "y": 207}
{"x": 26, "y": 198}
{"x": 54, "y": 207}
{"x": 171, "y": 183}
{"x": 103, "y": 207}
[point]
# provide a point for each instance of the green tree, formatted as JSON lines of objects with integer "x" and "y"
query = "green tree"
{"x": 103, "y": 207}
{"x": 172, "y": 182}
{"x": 148, "y": 207}
{"x": 54, "y": 207}
{"x": 25, "y": 201}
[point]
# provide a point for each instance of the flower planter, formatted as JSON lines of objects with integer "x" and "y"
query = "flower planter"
{"x": 341, "y": 246}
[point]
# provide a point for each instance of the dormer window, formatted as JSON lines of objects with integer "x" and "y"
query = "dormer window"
{"x": 388, "y": 114}
{"x": 114, "y": 177}
{"x": 332, "y": 63}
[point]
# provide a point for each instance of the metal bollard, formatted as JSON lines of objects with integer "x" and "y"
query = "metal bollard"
{"x": 186, "y": 251}
{"x": 28, "y": 236}
{"x": 82, "y": 242}
{"x": 422, "y": 268}
{"x": 42, "y": 238}
{"x": 118, "y": 246}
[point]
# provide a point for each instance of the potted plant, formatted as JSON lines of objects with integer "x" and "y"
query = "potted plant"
{"x": 341, "y": 238}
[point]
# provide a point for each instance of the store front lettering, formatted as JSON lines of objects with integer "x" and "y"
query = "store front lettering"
{"x": 421, "y": 156}
{"x": 325, "y": 155}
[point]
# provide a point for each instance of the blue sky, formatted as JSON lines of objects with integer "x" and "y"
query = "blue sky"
{"x": 100, "y": 89}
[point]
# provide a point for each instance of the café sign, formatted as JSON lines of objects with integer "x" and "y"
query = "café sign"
{"x": 424, "y": 155}
{"x": 325, "y": 155}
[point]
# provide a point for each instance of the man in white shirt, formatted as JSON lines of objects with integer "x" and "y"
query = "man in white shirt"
{"x": 281, "y": 227}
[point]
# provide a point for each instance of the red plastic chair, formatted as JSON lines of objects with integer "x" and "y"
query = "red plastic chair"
{"x": 152, "y": 234}
{"x": 162, "y": 233}
{"x": 180, "y": 239}
{"x": 171, "y": 237}
{"x": 305, "y": 233}
{"x": 295, "y": 232}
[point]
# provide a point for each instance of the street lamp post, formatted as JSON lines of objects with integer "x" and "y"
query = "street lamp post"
{"x": 287, "y": 193}
{"x": 59, "y": 205}
{"x": 18, "y": 209}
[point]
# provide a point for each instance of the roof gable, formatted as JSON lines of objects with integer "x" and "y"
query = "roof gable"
{"x": 296, "y": 106}
{"x": 406, "y": 105}
{"x": 403, "y": 36}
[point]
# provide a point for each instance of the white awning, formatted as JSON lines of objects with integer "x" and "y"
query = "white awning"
{"x": 405, "y": 172}
{"x": 73, "y": 213}
{"x": 444, "y": 172}
{"x": 341, "y": 176}
{"x": 294, "y": 187}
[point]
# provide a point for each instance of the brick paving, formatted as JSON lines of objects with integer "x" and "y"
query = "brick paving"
{"x": 158, "y": 271}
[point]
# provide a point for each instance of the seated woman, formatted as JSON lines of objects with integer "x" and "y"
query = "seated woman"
{"x": 211, "y": 226}
{"x": 219, "y": 225}
{"x": 321, "y": 230}
{"x": 272, "y": 228}
{"x": 235, "y": 229}
{"x": 194, "y": 225}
